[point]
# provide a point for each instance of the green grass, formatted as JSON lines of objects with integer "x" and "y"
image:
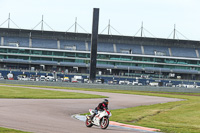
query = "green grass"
{"x": 172, "y": 117}
{"x": 26, "y": 93}
{"x": 6, "y": 130}
{"x": 149, "y": 93}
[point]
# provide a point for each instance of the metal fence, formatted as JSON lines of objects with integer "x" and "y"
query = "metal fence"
{"x": 103, "y": 86}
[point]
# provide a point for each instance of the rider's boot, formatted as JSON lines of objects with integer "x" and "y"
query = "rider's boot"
{"x": 91, "y": 118}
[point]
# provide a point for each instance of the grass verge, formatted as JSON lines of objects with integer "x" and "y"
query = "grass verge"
{"x": 26, "y": 93}
{"x": 172, "y": 117}
{"x": 6, "y": 130}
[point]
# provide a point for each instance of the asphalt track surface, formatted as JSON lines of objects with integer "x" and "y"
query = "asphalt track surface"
{"x": 54, "y": 115}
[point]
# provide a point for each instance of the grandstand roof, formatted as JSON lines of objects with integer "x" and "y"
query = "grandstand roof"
{"x": 102, "y": 38}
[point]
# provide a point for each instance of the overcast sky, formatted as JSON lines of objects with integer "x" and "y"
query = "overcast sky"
{"x": 126, "y": 16}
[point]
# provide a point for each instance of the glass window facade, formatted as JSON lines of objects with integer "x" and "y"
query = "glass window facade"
{"x": 102, "y": 58}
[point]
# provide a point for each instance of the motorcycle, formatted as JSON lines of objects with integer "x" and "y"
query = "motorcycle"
{"x": 100, "y": 119}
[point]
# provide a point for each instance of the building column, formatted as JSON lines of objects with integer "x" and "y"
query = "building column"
{"x": 58, "y": 44}
{"x": 2, "y": 41}
{"x": 142, "y": 49}
{"x": 30, "y": 42}
{"x": 197, "y": 53}
{"x": 170, "y": 51}
{"x": 115, "y": 48}
{"x": 86, "y": 46}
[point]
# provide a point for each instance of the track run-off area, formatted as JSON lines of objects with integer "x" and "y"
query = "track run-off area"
{"x": 55, "y": 115}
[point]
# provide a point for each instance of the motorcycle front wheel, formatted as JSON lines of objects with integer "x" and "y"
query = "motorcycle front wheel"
{"x": 88, "y": 123}
{"x": 104, "y": 123}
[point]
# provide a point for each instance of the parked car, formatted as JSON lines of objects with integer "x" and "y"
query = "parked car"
{"x": 42, "y": 78}
{"x": 99, "y": 81}
{"x": 128, "y": 83}
{"x": 32, "y": 78}
{"x": 121, "y": 82}
{"x": 86, "y": 80}
{"x": 50, "y": 79}
{"x": 66, "y": 79}
{"x": 124, "y": 82}
{"x": 77, "y": 79}
{"x": 59, "y": 79}
{"x": 191, "y": 86}
{"x": 114, "y": 82}
{"x": 181, "y": 85}
{"x": 154, "y": 84}
{"x": 140, "y": 84}
{"x": 10, "y": 76}
{"x": 23, "y": 77}
{"x": 1, "y": 78}
{"x": 135, "y": 83}
{"x": 37, "y": 79}
{"x": 169, "y": 84}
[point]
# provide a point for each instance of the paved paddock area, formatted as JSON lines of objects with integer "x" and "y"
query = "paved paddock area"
{"x": 54, "y": 115}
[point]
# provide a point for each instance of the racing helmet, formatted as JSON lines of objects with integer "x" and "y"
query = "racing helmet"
{"x": 106, "y": 101}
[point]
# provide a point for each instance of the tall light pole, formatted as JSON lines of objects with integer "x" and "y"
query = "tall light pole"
{"x": 94, "y": 39}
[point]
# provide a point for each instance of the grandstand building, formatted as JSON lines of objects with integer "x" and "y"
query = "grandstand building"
{"x": 117, "y": 55}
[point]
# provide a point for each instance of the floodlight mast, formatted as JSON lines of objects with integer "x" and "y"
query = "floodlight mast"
{"x": 174, "y": 37}
{"x": 42, "y": 28}
{"x": 142, "y": 29}
{"x": 9, "y": 21}
{"x": 94, "y": 39}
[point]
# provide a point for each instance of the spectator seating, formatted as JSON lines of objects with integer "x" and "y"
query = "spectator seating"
{"x": 44, "y": 43}
{"x": 102, "y": 47}
{"x": 21, "y": 41}
{"x": 73, "y": 45}
{"x": 156, "y": 50}
{"x": 105, "y": 47}
{"x": 183, "y": 52}
{"x": 135, "y": 49}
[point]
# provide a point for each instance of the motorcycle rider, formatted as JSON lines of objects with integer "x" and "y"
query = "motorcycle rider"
{"x": 103, "y": 105}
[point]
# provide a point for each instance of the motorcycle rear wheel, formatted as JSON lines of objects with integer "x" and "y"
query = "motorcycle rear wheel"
{"x": 88, "y": 123}
{"x": 104, "y": 123}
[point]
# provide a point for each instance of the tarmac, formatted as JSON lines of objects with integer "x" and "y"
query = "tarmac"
{"x": 122, "y": 126}
{"x": 55, "y": 115}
